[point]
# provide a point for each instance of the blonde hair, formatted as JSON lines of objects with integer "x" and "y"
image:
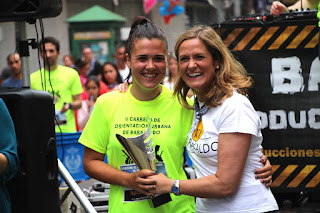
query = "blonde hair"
{"x": 231, "y": 74}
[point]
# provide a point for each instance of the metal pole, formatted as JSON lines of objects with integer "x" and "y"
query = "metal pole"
{"x": 21, "y": 34}
{"x": 236, "y": 8}
{"x": 75, "y": 188}
{"x": 219, "y": 12}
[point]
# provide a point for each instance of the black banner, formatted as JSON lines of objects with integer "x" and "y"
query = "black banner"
{"x": 282, "y": 58}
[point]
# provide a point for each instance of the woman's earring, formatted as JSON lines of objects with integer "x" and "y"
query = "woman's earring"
{"x": 217, "y": 68}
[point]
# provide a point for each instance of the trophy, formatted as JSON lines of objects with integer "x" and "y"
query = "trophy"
{"x": 140, "y": 149}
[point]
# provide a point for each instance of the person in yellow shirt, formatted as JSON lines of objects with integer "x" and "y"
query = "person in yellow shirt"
{"x": 63, "y": 83}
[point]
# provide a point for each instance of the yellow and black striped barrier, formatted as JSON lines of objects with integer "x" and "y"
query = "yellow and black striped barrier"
{"x": 292, "y": 176}
{"x": 273, "y": 37}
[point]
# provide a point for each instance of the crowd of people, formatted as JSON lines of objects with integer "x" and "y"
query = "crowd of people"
{"x": 74, "y": 98}
{"x": 110, "y": 74}
{"x": 73, "y": 106}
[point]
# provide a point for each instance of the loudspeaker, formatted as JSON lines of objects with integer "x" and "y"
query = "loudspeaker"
{"x": 35, "y": 188}
{"x": 23, "y": 10}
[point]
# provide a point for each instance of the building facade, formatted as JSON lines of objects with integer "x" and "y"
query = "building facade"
{"x": 195, "y": 12}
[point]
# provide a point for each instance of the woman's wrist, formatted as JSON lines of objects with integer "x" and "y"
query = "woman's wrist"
{"x": 175, "y": 188}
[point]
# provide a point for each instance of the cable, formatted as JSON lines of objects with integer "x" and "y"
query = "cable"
{"x": 41, "y": 24}
{"x": 44, "y": 55}
{"x": 38, "y": 53}
{"x": 43, "y": 78}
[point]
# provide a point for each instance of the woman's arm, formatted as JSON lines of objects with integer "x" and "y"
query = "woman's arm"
{"x": 3, "y": 163}
{"x": 9, "y": 162}
{"x": 277, "y": 7}
{"x": 264, "y": 173}
{"x": 83, "y": 115}
{"x": 233, "y": 150}
{"x": 95, "y": 167}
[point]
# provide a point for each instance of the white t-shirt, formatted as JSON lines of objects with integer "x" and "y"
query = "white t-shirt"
{"x": 236, "y": 114}
{"x": 167, "y": 83}
{"x": 124, "y": 73}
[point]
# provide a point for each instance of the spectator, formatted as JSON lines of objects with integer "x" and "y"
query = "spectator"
{"x": 83, "y": 68}
{"x": 111, "y": 76}
{"x": 173, "y": 72}
{"x": 14, "y": 63}
{"x": 63, "y": 83}
{"x": 68, "y": 61}
{"x": 5, "y": 73}
{"x": 9, "y": 162}
{"x": 95, "y": 66}
{"x": 92, "y": 87}
{"x": 121, "y": 64}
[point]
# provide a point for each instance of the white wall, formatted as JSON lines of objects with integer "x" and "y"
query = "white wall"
{"x": 7, "y": 42}
{"x": 55, "y": 27}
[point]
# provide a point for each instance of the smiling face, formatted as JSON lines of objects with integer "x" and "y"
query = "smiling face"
{"x": 196, "y": 64}
{"x": 148, "y": 67}
{"x": 52, "y": 55}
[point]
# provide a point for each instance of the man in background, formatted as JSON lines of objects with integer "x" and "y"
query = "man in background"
{"x": 63, "y": 83}
{"x": 14, "y": 63}
{"x": 5, "y": 73}
{"x": 95, "y": 66}
{"x": 121, "y": 63}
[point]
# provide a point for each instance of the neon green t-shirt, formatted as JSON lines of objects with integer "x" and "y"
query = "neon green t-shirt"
{"x": 120, "y": 113}
{"x": 65, "y": 83}
{"x": 318, "y": 14}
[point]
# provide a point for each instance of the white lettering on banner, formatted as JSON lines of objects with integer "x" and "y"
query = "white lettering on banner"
{"x": 314, "y": 78}
{"x": 273, "y": 119}
{"x": 286, "y": 78}
{"x": 279, "y": 119}
{"x": 292, "y": 120}
{"x": 312, "y": 118}
{"x": 286, "y": 75}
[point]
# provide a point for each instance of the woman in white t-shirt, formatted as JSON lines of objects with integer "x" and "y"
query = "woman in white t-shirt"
{"x": 224, "y": 142}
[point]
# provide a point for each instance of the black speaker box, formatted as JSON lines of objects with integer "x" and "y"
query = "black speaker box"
{"x": 23, "y": 10}
{"x": 35, "y": 188}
